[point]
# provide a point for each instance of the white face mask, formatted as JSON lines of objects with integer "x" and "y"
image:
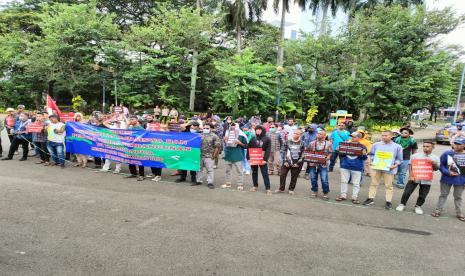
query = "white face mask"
{"x": 206, "y": 131}
{"x": 193, "y": 130}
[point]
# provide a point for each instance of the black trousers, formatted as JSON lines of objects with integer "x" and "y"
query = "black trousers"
{"x": 183, "y": 175}
{"x": 10, "y": 136}
{"x": 15, "y": 145}
{"x": 156, "y": 171}
{"x": 98, "y": 161}
{"x": 295, "y": 171}
{"x": 133, "y": 170}
{"x": 422, "y": 194}
{"x": 1, "y": 148}
{"x": 43, "y": 150}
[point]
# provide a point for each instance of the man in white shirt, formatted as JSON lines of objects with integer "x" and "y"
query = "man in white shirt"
{"x": 56, "y": 141}
{"x": 289, "y": 128}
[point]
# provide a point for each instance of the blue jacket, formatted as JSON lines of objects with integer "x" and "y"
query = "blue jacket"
{"x": 446, "y": 178}
{"x": 353, "y": 163}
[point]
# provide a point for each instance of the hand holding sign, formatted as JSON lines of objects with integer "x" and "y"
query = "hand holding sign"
{"x": 256, "y": 156}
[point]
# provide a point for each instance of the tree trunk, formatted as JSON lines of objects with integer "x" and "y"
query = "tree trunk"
{"x": 323, "y": 24}
{"x": 51, "y": 84}
{"x": 281, "y": 36}
{"x": 195, "y": 57}
{"x": 238, "y": 37}
{"x": 363, "y": 114}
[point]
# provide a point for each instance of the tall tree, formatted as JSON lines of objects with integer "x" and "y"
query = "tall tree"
{"x": 284, "y": 9}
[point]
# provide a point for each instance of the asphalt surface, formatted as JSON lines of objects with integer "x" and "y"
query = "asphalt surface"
{"x": 75, "y": 221}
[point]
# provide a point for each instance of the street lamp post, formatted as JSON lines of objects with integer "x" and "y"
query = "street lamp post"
{"x": 457, "y": 106}
{"x": 280, "y": 71}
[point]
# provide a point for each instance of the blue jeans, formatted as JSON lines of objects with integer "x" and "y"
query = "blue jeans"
{"x": 56, "y": 150}
{"x": 245, "y": 162}
{"x": 323, "y": 172}
{"x": 402, "y": 173}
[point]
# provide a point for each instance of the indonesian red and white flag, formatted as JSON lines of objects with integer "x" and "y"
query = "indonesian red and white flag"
{"x": 52, "y": 106}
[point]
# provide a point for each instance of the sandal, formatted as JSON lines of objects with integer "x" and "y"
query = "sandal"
{"x": 340, "y": 198}
{"x": 226, "y": 186}
{"x": 254, "y": 189}
{"x": 325, "y": 197}
{"x": 268, "y": 192}
{"x": 313, "y": 195}
{"x": 355, "y": 201}
{"x": 436, "y": 214}
{"x": 240, "y": 188}
{"x": 461, "y": 218}
{"x": 77, "y": 165}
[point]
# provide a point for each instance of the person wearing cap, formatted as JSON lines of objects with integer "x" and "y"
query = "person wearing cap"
{"x": 352, "y": 167}
{"x": 425, "y": 185}
{"x": 10, "y": 121}
{"x": 368, "y": 144}
{"x": 451, "y": 176}
{"x": 260, "y": 140}
{"x": 234, "y": 155}
{"x": 409, "y": 147}
{"x": 386, "y": 146}
{"x": 56, "y": 141}
{"x": 322, "y": 146}
{"x": 20, "y": 137}
{"x": 21, "y": 109}
{"x": 395, "y": 134}
{"x": 337, "y": 136}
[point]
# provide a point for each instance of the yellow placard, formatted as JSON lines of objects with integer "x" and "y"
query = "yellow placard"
{"x": 382, "y": 161}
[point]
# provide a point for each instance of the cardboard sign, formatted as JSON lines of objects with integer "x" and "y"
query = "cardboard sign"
{"x": 174, "y": 127}
{"x": 422, "y": 169}
{"x": 458, "y": 164}
{"x": 153, "y": 126}
{"x": 67, "y": 117}
{"x": 35, "y": 127}
{"x": 256, "y": 157}
{"x": 348, "y": 148}
{"x": 315, "y": 157}
{"x": 118, "y": 109}
{"x": 382, "y": 161}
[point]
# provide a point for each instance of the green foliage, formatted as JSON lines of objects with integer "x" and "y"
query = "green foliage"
{"x": 78, "y": 103}
{"x": 249, "y": 86}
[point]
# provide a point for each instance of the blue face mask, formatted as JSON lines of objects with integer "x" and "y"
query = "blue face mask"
{"x": 272, "y": 130}
{"x": 206, "y": 131}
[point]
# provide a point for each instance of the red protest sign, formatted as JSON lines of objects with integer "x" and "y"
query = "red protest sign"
{"x": 67, "y": 117}
{"x": 35, "y": 127}
{"x": 422, "y": 169}
{"x": 316, "y": 157}
{"x": 153, "y": 126}
{"x": 351, "y": 148}
{"x": 256, "y": 156}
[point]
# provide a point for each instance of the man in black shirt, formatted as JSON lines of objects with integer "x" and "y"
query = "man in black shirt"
{"x": 409, "y": 147}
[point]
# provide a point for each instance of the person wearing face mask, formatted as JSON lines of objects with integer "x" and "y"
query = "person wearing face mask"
{"x": 249, "y": 135}
{"x": 276, "y": 140}
{"x": 292, "y": 156}
{"x": 261, "y": 141}
{"x": 234, "y": 155}
{"x": 226, "y": 124}
{"x": 209, "y": 150}
{"x": 218, "y": 130}
{"x": 267, "y": 125}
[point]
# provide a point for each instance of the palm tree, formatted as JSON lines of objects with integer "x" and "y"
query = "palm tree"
{"x": 240, "y": 12}
{"x": 284, "y": 10}
{"x": 325, "y": 5}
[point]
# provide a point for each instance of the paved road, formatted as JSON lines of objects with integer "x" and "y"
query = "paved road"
{"x": 77, "y": 222}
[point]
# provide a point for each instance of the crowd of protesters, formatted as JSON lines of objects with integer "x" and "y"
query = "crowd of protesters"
{"x": 283, "y": 146}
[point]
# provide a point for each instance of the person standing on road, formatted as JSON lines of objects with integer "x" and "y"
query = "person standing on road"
{"x": 39, "y": 139}
{"x": 21, "y": 137}
{"x": 409, "y": 147}
{"x": 192, "y": 127}
{"x": 425, "y": 185}
{"x": 261, "y": 141}
{"x": 234, "y": 156}
{"x": 2, "y": 127}
{"x": 337, "y": 136}
{"x": 10, "y": 121}
{"x": 139, "y": 171}
{"x": 289, "y": 129}
{"x": 292, "y": 160}
{"x": 368, "y": 144}
{"x": 309, "y": 136}
{"x": 210, "y": 148}
{"x": 351, "y": 170}
{"x": 276, "y": 144}
{"x": 322, "y": 146}
{"x": 387, "y": 147}
{"x": 56, "y": 141}
{"x": 450, "y": 176}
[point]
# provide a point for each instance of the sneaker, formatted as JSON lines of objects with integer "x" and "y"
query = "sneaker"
{"x": 368, "y": 201}
{"x": 388, "y": 205}
{"x": 150, "y": 176}
{"x": 291, "y": 192}
{"x": 156, "y": 178}
{"x": 211, "y": 186}
{"x": 400, "y": 208}
{"x": 418, "y": 210}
